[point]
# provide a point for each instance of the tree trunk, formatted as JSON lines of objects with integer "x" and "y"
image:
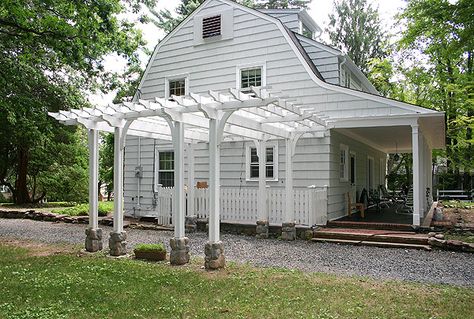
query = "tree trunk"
{"x": 21, "y": 187}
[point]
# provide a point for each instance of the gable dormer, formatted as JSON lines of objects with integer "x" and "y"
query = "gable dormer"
{"x": 297, "y": 20}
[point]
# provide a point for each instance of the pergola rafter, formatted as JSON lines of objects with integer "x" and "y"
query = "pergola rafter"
{"x": 211, "y": 117}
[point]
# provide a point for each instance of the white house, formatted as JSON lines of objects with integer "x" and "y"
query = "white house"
{"x": 232, "y": 83}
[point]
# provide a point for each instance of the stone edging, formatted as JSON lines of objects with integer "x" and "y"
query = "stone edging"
{"x": 58, "y": 218}
{"x": 438, "y": 241}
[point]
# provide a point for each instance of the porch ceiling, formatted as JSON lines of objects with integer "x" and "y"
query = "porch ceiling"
{"x": 394, "y": 134}
{"x": 386, "y": 139}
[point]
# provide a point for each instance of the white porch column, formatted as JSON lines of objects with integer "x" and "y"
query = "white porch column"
{"x": 416, "y": 174}
{"x": 179, "y": 254}
{"x": 262, "y": 216}
{"x": 288, "y": 230}
{"x": 117, "y": 243}
{"x": 93, "y": 233}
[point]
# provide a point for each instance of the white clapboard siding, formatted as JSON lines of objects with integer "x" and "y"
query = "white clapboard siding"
{"x": 337, "y": 200}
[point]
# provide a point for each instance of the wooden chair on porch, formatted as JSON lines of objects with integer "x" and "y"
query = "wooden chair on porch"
{"x": 357, "y": 206}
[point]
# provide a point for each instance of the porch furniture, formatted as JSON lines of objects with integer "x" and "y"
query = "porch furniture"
{"x": 458, "y": 194}
{"x": 358, "y": 206}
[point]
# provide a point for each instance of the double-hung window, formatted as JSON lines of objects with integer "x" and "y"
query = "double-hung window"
{"x": 271, "y": 170}
{"x": 165, "y": 168}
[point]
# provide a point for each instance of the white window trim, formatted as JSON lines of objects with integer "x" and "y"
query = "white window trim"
{"x": 169, "y": 78}
{"x": 352, "y": 153}
{"x": 345, "y": 178}
{"x": 371, "y": 176}
{"x": 156, "y": 175}
{"x": 239, "y": 68}
{"x": 250, "y": 145}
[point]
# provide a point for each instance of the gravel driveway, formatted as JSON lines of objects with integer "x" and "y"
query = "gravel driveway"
{"x": 415, "y": 265}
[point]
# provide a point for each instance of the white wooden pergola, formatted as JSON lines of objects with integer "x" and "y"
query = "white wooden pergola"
{"x": 185, "y": 120}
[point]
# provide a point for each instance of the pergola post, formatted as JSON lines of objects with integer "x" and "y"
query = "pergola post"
{"x": 93, "y": 232}
{"x": 191, "y": 219}
{"x": 262, "y": 217}
{"x": 416, "y": 174}
{"x": 288, "y": 227}
{"x": 179, "y": 254}
{"x": 214, "y": 249}
{"x": 117, "y": 240}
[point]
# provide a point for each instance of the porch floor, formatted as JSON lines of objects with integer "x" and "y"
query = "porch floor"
{"x": 384, "y": 215}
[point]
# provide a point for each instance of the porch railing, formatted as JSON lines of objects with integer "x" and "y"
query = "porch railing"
{"x": 240, "y": 205}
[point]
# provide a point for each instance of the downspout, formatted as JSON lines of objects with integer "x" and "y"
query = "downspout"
{"x": 340, "y": 69}
{"x": 139, "y": 159}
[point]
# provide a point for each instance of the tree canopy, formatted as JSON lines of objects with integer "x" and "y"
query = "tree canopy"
{"x": 439, "y": 33}
{"x": 52, "y": 55}
{"x": 355, "y": 28}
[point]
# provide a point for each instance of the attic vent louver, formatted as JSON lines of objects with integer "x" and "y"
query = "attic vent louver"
{"x": 211, "y": 26}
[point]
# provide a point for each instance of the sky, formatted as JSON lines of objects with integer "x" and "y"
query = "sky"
{"x": 319, "y": 10}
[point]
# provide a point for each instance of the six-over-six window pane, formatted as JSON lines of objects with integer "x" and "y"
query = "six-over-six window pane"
{"x": 177, "y": 87}
{"x": 250, "y": 77}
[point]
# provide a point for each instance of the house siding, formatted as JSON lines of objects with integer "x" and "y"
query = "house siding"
{"x": 337, "y": 201}
{"x": 214, "y": 66}
{"x": 310, "y": 167}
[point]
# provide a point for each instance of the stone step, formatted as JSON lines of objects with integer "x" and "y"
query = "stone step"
{"x": 373, "y": 243}
{"x": 391, "y": 237}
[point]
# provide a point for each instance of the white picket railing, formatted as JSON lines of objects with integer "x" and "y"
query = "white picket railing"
{"x": 240, "y": 204}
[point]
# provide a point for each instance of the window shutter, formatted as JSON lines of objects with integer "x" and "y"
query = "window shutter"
{"x": 211, "y": 26}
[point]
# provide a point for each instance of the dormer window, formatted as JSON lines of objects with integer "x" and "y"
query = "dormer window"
{"x": 211, "y": 26}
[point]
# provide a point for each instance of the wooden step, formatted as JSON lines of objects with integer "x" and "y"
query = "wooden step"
{"x": 392, "y": 237}
{"x": 368, "y": 225}
{"x": 373, "y": 243}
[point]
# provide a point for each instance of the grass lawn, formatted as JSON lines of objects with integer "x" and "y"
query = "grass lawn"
{"x": 39, "y": 281}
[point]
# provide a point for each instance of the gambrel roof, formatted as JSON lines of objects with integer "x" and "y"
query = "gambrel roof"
{"x": 329, "y": 106}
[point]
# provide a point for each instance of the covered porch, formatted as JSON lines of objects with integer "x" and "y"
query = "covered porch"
{"x": 417, "y": 134}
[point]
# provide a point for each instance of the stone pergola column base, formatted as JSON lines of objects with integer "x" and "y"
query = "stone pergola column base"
{"x": 93, "y": 239}
{"x": 118, "y": 244}
{"x": 288, "y": 231}
{"x": 214, "y": 258}
{"x": 262, "y": 229}
{"x": 179, "y": 254}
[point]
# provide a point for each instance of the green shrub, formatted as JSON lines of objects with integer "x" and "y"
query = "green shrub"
{"x": 3, "y": 199}
{"x": 150, "y": 247}
{"x": 83, "y": 209}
